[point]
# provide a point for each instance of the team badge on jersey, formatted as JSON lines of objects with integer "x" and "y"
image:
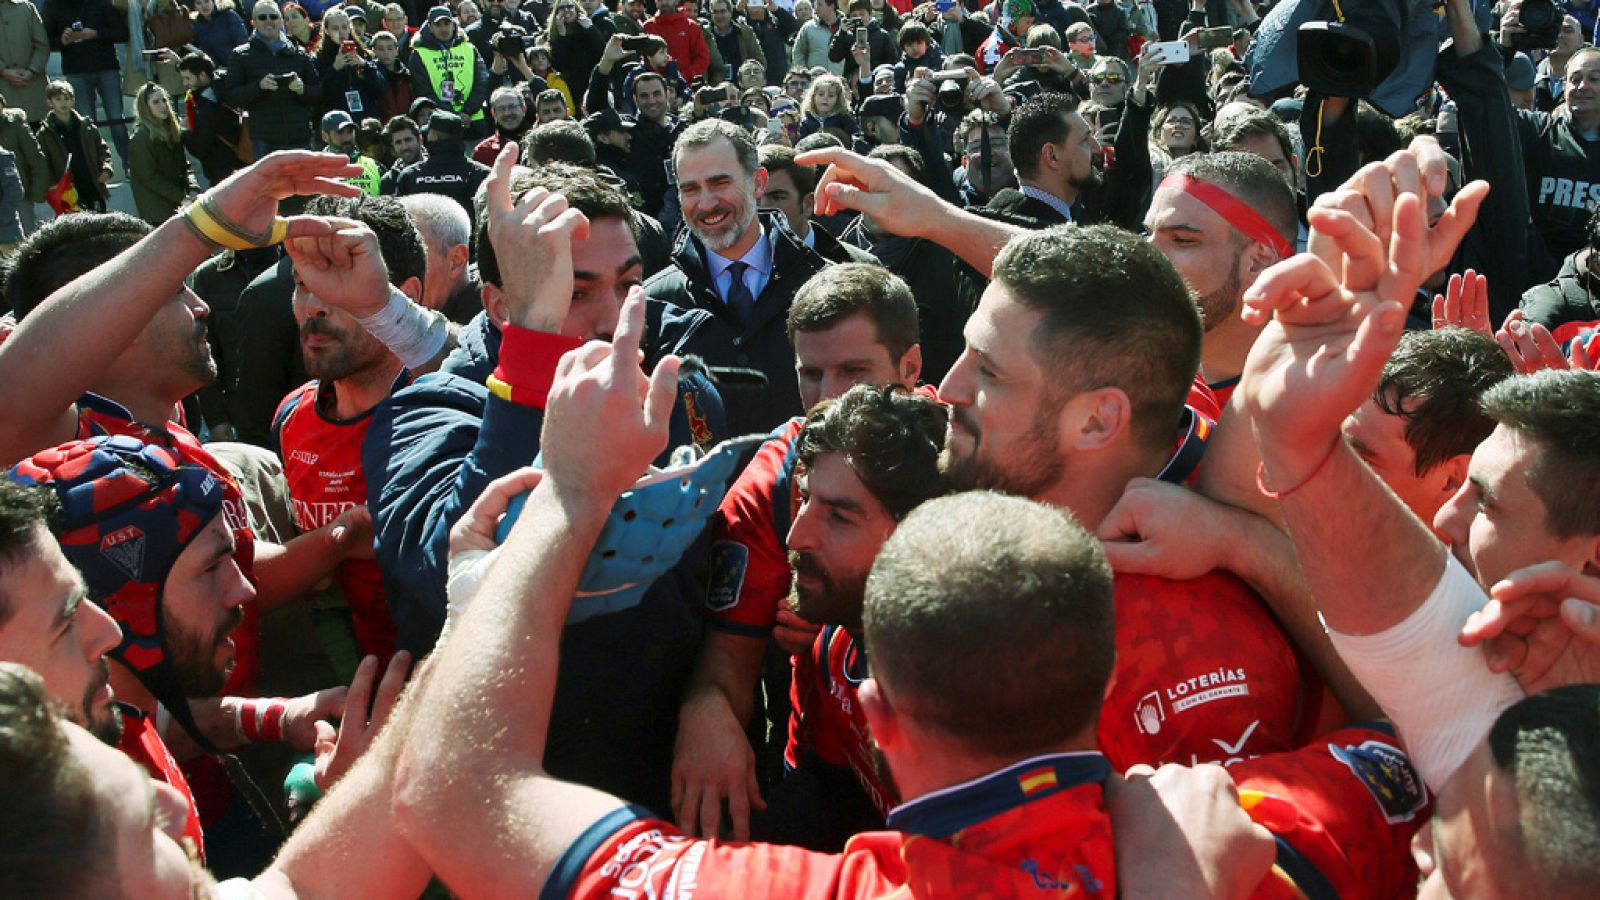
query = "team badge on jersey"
{"x": 728, "y": 562}
{"x": 1388, "y": 776}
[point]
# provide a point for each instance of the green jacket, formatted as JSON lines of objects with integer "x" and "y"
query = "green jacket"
{"x": 159, "y": 173}
{"x": 23, "y": 45}
{"x": 16, "y": 136}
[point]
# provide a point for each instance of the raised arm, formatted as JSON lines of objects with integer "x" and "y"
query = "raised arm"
{"x": 904, "y": 207}
{"x": 70, "y": 341}
{"x": 471, "y": 794}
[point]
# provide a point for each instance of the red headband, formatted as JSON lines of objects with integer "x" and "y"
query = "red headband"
{"x": 1235, "y": 211}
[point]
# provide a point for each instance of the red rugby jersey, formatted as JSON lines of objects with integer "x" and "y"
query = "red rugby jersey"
{"x": 322, "y": 463}
{"x": 144, "y": 746}
{"x": 1037, "y": 828}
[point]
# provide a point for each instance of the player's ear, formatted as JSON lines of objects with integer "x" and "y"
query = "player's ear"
{"x": 882, "y": 718}
{"x": 494, "y": 303}
{"x": 412, "y": 288}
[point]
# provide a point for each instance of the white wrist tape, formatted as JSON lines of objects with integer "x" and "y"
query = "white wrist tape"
{"x": 1440, "y": 695}
{"x": 411, "y": 332}
{"x": 467, "y": 571}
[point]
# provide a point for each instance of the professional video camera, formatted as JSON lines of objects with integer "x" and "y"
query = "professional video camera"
{"x": 1541, "y": 26}
{"x": 510, "y": 40}
{"x": 1382, "y": 50}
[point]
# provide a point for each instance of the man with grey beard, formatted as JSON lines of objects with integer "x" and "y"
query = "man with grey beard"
{"x": 742, "y": 266}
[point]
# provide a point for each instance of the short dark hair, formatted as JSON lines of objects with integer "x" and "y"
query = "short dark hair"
{"x": 1252, "y": 180}
{"x": 562, "y": 140}
{"x": 913, "y": 31}
{"x": 198, "y": 64}
{"x": 1434, "y": 380}
{"x": 708, "y": 131}
{"x": 839, "y": 292}
{"x": 585, "y": 192}
{"x": 777, "y": 158}
{"x": 911, "y": 156}
{"x": 399, "y": 241}
{"x": 1549, "y": 744}
{"x": 817, "y": 140}
{"x": 891, "y": 439}
{"x": 1041, "y": 120}
{"x": 401, "y": 123}
{"x": 1376, "y": 135}
{"x": 1147, "y": 342}
{"x": 23, "y": 512}
{"x": 550, "y": 95}
{"x": 1560, "y": 412}
{"x": 1007, "y": 644}
{"x": 56, "y": 843}
{"x": 64, "y": 250}
{"x": 644, "y": 77}
{"x": 1257, "y": 123}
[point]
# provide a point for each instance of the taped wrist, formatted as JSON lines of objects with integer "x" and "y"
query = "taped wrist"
{"x": 411, "y": 332}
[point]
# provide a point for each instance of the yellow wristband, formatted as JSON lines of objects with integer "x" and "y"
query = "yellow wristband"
{"x": 206, "y": 223}
{"x": 499, "y": 388}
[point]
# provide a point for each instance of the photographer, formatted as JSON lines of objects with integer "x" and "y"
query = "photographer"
{"x": 508, "y": 59}
{"x": 774, "y": 27}
{"x": 654, "y": 128}
{"x": 496, "y": 16}
{"x": 860, "y": 55}
{"x": 649, "y": 56}
{"x": 1561, "y": 155}
{"x": 273, "y": 80}
{"x": 934, "y": 108}
{"x": 575, "y": 42}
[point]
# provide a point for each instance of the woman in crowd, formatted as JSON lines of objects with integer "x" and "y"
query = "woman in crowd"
{"x": 575, "y": 44}
{"x": 297, "y": 25}
{"x": 218, "y": 29}
{"x": 351, "y": 79}
{"x": 157, "y": 166}
{"x": 1174, "y": 133}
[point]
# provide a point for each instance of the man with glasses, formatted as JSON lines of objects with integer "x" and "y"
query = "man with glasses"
{"x": 1108, "y": 82}
{"x": 275, "y": 81}
{"x": 796, "y": 83}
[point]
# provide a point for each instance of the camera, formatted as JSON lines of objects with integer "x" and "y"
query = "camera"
{"x": 1349, "y": 58}
{"x": 640, "y": 44}
{"x": 284, "y": 78}
{"x": 1541, "y": 24}
{"x": 508, "y": 41}
{"x": 707, "y": 96}
{"x": 952, "y": 88}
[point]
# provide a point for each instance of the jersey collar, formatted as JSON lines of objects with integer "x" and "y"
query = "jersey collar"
{"x": 958, "y": 807}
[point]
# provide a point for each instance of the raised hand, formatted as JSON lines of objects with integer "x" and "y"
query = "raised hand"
{"x": 892, "y": 198}
{"x": 340, "y": 262}
{"x": 1541, "y": 624}
{"x": 1531, "y": 347}
{"x": 1464, "y": 304}
{"x": 249, "y": 197}
{"x": 337, "y": 750}
{"x": 532, "y": 240}
{"x": 601, "y": 398}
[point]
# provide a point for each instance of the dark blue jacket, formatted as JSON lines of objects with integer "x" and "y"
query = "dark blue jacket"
{"x": 429, "y": 452}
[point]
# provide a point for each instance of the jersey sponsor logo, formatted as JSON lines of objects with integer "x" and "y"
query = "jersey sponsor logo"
{"x": 1149, "y": 715}
{"x": 1388, "y": 776}
{"x": 729, "y": 559}
{"x": 125, "y": 548}
{"x": 315, "y": 515}
{"x": 1569, "y": 192}
{"x": 305, "y": 456}
{"x": 639, "y": 867}
{"x": 1231, "y": 752}
{"x": 1201, "y": 689}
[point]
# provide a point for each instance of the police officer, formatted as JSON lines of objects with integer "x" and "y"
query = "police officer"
{"x": 447, "y": 170}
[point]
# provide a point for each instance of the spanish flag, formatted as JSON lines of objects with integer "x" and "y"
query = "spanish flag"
{"x": 1035, "y": 780}
{"x": 63, "y": 197}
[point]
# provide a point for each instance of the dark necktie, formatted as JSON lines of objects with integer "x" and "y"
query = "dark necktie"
{"x": 739, "y": 298}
